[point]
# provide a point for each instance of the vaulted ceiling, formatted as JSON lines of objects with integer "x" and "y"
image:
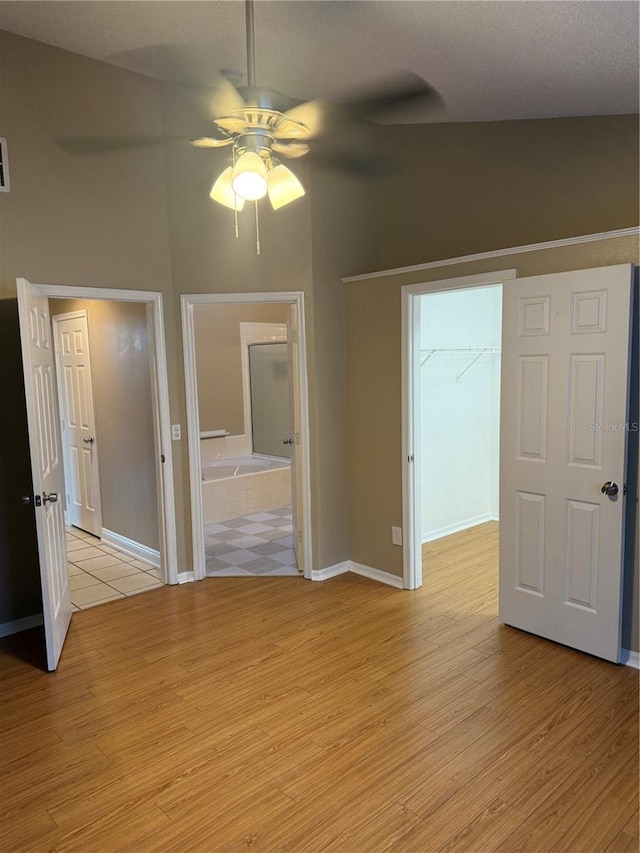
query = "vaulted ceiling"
{"x": 490, "y": 60}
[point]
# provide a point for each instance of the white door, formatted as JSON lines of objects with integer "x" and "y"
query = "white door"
{"x": 79, "y": 443}
{"x": 46, "y": 463}
{"x": 294, "y": 405}
{"x": 566, "y": 342}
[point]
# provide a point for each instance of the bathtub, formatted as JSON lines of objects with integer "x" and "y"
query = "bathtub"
{"x": 243, "y": 486}
{"x": 220, "y": 469}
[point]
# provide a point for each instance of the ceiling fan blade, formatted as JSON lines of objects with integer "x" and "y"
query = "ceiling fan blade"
{"x": 98, "y": 144}
{"x": 314, "y": 115}
{"x": 321, "y": 117}
{"x": 292, "y": 149}
{"x": 395, "y": 92}
{"x": 224, "y": 99}
{"x": 352, "y": 147}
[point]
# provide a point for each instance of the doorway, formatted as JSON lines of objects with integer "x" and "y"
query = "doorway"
{"x": 564, "y": 378}
{"x": 249, "y": 483}
{"x": 45, "y": 446}
{"x": 103, "y": 371}
{"x": 451, "y": 339}
{"x": 147, "y": 307}
{"x": 459, "y": 418}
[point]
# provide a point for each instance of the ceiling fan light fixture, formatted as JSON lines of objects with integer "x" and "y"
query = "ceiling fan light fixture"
{"x": 222, "y": 191}
{"x": 249, "y": 177}
{"x": 284, "y": 187}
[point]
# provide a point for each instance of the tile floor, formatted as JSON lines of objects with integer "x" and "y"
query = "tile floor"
{"x": 257, "y": 544}
{"x": 99, "y": 573}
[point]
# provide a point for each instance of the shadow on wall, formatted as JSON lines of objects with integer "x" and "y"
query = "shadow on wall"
{"x": 20, "y": 594}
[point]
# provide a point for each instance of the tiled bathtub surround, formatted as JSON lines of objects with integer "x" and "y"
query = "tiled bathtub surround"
{"x": 244, "y": 495}
{"x": 258, "y": 544}
{"x": 99, "y": 573}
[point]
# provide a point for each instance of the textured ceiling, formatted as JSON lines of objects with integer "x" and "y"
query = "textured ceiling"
{"x": 490, "y": 60}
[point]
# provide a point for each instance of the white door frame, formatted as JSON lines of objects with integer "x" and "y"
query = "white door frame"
{"x": 188, "y": 302}
{"x": 411, "y": 495}
{"x": 160, "y": 403}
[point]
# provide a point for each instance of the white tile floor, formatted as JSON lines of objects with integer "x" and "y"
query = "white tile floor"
{"x": 99, "y": 573}
{"x": 252, "y": 545}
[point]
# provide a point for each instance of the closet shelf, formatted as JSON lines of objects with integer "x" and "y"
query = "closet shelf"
{"x": 477, "y": 351}
{"x": 481, "y": 350}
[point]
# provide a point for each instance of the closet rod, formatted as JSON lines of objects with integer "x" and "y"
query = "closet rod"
{"x": 461, "y": 349}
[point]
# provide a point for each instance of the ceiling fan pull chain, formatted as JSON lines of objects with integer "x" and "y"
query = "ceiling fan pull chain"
{"x": 257, "y": 231}
{"x": 235, "y": 197}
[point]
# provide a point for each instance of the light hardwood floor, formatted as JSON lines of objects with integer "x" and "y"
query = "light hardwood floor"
{"x": 274, "y": 714}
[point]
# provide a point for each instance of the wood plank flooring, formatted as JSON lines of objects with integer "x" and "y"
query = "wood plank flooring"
{"x": 275, "y": 714}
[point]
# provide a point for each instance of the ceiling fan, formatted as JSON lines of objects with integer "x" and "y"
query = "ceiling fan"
{"x": 263, "y": 127}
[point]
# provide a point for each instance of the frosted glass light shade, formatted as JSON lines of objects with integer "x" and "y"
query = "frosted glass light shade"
{"x": 249, "y": 179}
{"x": 284, "y": 187}
{"x": 223, "y": 192}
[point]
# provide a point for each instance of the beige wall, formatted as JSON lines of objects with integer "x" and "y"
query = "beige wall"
{"x": 219, "y": 360}
{"x": 344, "y": 242}
{"x": 96, "y": 221}
{"x": 466, "y": 188}
{"x": 121, "y": 378}
{"x": 374, "y": 385}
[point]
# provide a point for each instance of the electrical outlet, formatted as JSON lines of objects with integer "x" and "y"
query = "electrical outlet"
{"x": 396, "y": 536}
{"x": 176, "y": 432}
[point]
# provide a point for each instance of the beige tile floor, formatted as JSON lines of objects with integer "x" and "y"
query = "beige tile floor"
{"x": 99, "y": 573}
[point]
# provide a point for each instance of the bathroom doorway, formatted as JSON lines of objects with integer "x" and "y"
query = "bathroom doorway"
{"x": 248, "y": 436}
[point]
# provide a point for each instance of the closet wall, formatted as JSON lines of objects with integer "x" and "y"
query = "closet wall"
{"x": 460, "y": 333}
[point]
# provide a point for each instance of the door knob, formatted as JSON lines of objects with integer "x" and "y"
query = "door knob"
{"x": 287, "y": 441}
{"x": 610, "y": 489}
{"x": 52, "y": 497}
{"x": 89, "y": 440}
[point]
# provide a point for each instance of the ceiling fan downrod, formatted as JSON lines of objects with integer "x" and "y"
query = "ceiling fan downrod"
{"x": 251, "y": 44}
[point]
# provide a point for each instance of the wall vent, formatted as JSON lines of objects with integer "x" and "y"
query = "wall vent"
{"x": 4, "y": 166}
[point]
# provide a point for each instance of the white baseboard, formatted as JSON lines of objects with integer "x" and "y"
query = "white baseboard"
{"x": 629, "y": 658}
{"x": 376, "y": 575}
{"x": 330, "y": 571}
{"x": 357, "y": 569}
{"x": 448, "y": 529}
{"x": 133, "y": 549}
{"x": 8, "y": 628}
{"x": 185, "y": 577}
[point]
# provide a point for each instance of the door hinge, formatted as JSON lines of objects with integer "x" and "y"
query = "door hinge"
{"x": 410, "y": 457}
{"x": 162, "y": 457}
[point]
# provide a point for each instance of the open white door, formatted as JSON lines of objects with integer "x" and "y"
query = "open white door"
{"x": 75, "y": 394}
{"x": 294, "y": 406}
{"x": 46, "y": 463}
{"x": 565, "y": 363}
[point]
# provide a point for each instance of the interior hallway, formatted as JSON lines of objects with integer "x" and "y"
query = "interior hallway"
{"x": 311, "y": 717}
